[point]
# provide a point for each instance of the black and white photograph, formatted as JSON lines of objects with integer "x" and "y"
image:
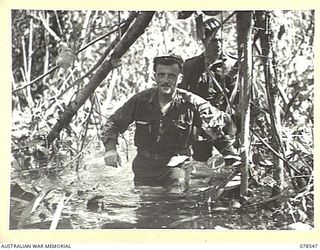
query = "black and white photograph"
{"x": 128, "y": 119}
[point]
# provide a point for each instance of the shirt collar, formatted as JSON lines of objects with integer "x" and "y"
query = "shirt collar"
{"x": 176, "y": 100}
{"x": 153, "y": 97}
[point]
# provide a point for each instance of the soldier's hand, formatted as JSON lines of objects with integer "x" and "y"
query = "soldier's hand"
{"x": 112, "y": 158}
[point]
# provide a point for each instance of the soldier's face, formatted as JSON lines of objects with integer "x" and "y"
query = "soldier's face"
{"x": 166, "y": 77}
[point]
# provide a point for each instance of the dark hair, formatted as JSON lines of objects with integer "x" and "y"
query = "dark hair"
{"x": 167, "y": 60}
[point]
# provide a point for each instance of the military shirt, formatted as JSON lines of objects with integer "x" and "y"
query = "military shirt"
{"x": 168, "y": 132}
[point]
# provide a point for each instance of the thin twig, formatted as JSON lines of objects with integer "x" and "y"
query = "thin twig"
{"x": 304, "y": 161}
{"x": 58, "y": 21}
{"x": 283, "y": 195}
{"x": 85, "y": 134}
{"x": 300, "y": 176}
{"x": 216, "y": 190}
{"x": 79, "y": 154}
{"x": 47, "y": 53}
{"x": 32, "y": 206}
{"x": 30, "y": 50}
{"x": 41, "y": 18}
{"x": 84, "y": 30}
{"x": 227, "y": 18}
{"x": 26, "y": 66}
{"x": 57, "y": 214}
{"x": 221, "y": 88}
{"x": 56, "y": 67}
{"x": 100, "y": 37}
{"x": 274, "y": 152}
{"x": 99, "y": 113}
{"x": 72, "y": 194}
{"x": 96, "y": 101}
{"x": 37, "y": 79}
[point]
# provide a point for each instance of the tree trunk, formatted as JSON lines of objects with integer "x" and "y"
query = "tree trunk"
{"x": 244, "y": 31}
{"x": 272, "y": 97}
{"x": 133, "y": 33}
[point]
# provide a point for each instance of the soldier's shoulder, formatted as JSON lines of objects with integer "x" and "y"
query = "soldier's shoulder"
{"x": 145, "y": 95}
{"x": 194, "y": 60}
{"x": 190, "y": 97}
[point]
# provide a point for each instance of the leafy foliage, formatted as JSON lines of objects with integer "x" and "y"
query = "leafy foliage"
{"x": 37, "y": 37}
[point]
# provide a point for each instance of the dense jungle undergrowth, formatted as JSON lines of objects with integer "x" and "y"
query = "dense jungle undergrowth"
{"x": 58, "y": 178}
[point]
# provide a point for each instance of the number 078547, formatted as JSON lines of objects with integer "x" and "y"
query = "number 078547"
{"x": 308, "y": 246}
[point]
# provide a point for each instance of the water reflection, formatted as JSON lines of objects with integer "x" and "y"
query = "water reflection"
{"x": 114, "y": 202}
{"x": 105, "y": 197}
{"x": 159, "y": 209}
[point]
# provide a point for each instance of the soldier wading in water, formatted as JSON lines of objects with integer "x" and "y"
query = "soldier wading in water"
{"x": 168, "y": 121}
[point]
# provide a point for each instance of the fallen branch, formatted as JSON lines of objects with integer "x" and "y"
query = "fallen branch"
{"x": 215, "y": 191}
{"x": 57, "y": 214}
{"x": 285, "y": 195}
{"x": 32, "y": 207}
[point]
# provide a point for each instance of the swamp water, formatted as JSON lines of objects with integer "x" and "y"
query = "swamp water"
{"x": 102, "y": 197}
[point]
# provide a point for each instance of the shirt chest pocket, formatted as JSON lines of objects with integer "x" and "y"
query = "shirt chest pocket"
{"x": 183, "y": 125}
{"x": 182, "y": 128}
{"x": 146, "y": 127}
